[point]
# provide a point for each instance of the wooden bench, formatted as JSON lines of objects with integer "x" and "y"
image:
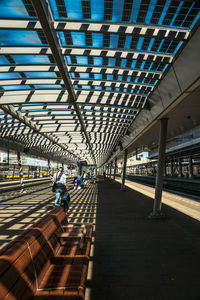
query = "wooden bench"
{"x": 49, "y": 260}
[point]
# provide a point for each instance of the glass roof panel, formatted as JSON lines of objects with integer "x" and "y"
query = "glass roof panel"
{"x": 111, "y": 62}
{"x": 82, "y": 60}
{"x": 50, "y": 86}
{"x": 84, "y": 75}
{"x": 113, "y": 40}
{"x": 98, "y": 76}
{"x": 78, "y": 39}
{"x": 97, "y": 39}
{"x": 15, "y": 87}
{"x": 97, "y": 10}
{"x": 31, "y": 59}
{"x": 19, "y": 37}
{"x": 9, "y": 75}
{"x": 3, "y": 60}
{"x": 98, "y": 61}
{"x": 40, "y": 74}
{"x": 13, "y": 9}
{"x": 173, "y": 13}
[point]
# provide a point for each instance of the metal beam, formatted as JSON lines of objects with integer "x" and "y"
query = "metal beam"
{"x": 113, "y": 68}
{"x": 42, "y": 80}
{"x": 122, "y": 93}
{"x": 160, "y": 27}
{"x": 46, "y": 19}
{"x": 9, "y": 109}
{"x": 21, "y": 23}
{"x": 98, "y": 49}
{"x": 69, "y": 26}
{"x": 61, "y": 106}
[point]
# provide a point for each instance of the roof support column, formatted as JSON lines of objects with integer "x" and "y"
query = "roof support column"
{"x": 20, "y": 172}
{"x": 160, "y": 169}
{"x": 165, "y": 169}
{"x": 190, "y": 167}
{"x": 179, "y": 167}
{"x": 172, "y": 167}
{"x": 49, "y": 168}
{"x": 124, "y": 170}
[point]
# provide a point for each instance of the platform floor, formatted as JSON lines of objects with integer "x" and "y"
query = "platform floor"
{"x": 132, "y": 257}
{"x": 141, "y": 259}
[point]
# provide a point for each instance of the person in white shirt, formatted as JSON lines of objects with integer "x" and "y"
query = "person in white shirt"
{"x": 84, "y": 177}
{"x": 59, "y": 180}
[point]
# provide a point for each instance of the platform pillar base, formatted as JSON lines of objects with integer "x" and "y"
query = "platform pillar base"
{"x": 123, "y": 189}
{"x": 156, "y": 216}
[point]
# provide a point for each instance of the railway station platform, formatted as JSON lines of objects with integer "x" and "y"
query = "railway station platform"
{"x": 132, "y": 257}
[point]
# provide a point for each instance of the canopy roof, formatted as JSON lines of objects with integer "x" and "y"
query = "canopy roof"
{"x": 74, "y": 74}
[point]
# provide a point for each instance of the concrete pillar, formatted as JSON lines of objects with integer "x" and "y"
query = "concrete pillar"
{"x": 160, "y": 169}
{"x": 13, "y": 173}
{"x": 190, "y": 167}
{"x": 49, "y": 167}
{"x": 172, "y": 168}
{"x": 115, "y": 168}
{"x": 124, "y": 169}
{"x": 165, "y": 169}
{"x": 180, "y": 168}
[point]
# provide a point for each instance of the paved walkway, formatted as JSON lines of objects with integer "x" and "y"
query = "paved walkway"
{"x": 140, "y": 259}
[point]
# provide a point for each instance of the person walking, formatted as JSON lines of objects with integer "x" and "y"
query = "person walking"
{"x": 104, "y": 175}
{"x": 59, "y": 185}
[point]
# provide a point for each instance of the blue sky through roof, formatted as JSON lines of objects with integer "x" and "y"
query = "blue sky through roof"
{"x": 98, "y": 76}
{"x": 97, "y": 39}
{"x": 74, "y": 11}
{"x": 49, "y": 86}
{"x": 82, "y": 60}
{"x": 3, "y": 60}
{"x": 13, "y": 9}
{"x": 9, "y": 75}
{"x": 98, "y": 61}
{"x": 97, "y": 10}
{"x": 40, "y": 74}
{"x": 19, "y": 37}
{"x": 31, "y": 59}
{"x": 15, "y": 87}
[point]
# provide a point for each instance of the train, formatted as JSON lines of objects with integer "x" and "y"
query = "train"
{"x": 171, "y": 168}
{"x": 11, "y": 172}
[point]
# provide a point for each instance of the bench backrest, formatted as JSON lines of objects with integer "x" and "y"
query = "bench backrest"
{"x": 25, "y": 260}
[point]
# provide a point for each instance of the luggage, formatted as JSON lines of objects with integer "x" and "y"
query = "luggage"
{"x": 65, "y": 201}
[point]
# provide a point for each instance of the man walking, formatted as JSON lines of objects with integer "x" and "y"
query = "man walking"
{"x": 59, "y": 183}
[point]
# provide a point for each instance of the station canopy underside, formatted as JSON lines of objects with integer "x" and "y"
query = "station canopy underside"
{"x": 75, "y": 74}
